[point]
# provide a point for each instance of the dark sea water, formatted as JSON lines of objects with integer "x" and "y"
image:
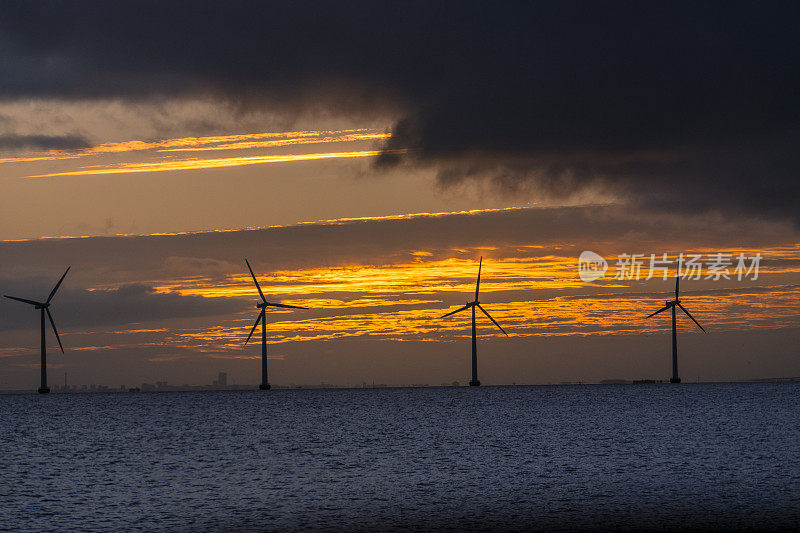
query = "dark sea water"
{"x": 632, "y": 457}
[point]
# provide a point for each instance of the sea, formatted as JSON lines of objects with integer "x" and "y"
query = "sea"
{"x": 640, "y": 457}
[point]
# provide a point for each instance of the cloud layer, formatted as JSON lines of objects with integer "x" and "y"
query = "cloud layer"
{"x": 677, "y": 106}
{"x": 179, "y": 307}
{"x": 127, "y": 304}
{"x": 42, "y": 142}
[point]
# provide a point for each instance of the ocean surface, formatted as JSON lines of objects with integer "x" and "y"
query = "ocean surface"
{"x": 627, "y": 457}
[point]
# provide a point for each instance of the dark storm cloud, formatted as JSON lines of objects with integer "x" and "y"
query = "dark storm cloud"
{"x": 42, "y": 142}
{"x": 673, "y": 105}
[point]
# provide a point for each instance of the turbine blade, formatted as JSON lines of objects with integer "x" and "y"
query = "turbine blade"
{"x": 53, "y": 292}
{"x": 662, "y": 309}
{"x": 454, "y": 312}
{"x": 254, "y": 327}
{"x": 677, "y": 279}
{"x": 693, "y": 320}
{"x": 287, "y": 306}
{"x": 54, "y": 329}
{"x": 478, "y": 284}
{"x": 255, "y": 281}
{"x": 492, "y": 319}
{"x": 23, "y": 300}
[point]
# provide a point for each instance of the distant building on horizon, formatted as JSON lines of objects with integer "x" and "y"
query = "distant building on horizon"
{"x": 221, "y": 381}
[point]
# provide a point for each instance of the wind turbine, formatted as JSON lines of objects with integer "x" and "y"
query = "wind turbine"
{"x": 673, "y": 304}
{"x": 473, "y": 305}
{"x": 262, "y": 317}
{"x": 45, "y": 308}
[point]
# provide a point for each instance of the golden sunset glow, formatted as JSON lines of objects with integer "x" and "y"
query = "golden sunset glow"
{"x": 198, "y": 164}
{"x": 106, "y": 156}
{"x": 288, "y": 137}
{"x": 221, "y": 142}
{"x": 559, "y": 316}
{"x": 528, "y": 296}
{"x": 243, "y": 145}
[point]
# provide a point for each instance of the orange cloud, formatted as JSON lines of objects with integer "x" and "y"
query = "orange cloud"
{"x": 234, "y": 142}
{"x": 540, "y": 296}
{"x": 283, "y": 142}
{"x": 197, "y": 164}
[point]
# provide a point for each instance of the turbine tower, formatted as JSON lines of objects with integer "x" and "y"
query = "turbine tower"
{"x": 44, "y": 308}
{"x": 673, "y": 304}
{"x": 474, "y": 382}
{"x": 262, "y": 317}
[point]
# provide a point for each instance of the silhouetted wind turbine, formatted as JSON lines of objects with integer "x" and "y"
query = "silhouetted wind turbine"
{"x": 673, "y": 304}
{"x": 473, "y": 305}
{"x": 262, "y": 317}
{"x": 45, "y": 308}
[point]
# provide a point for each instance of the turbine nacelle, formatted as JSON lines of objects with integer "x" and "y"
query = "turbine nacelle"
{"x": 45, "y": 308}
{"x": 676, "y": 303}
{"x": 263, "y": 304}
{"x": 476, "y": 302}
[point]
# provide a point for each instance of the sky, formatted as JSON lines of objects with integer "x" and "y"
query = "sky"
{"x": 365, "y": 156}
